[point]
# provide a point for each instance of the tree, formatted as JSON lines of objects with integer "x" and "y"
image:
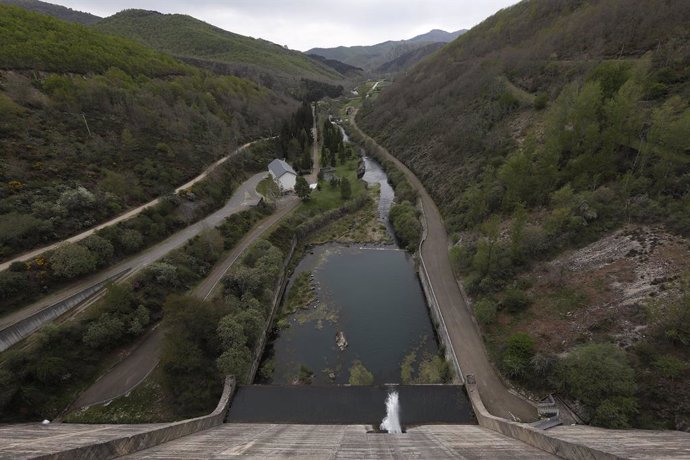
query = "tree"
{"x": 599, "y": 373}
{"x": 302, "y": 188}
{"x": 72, "y": 260}
{"x": 101, "y": 248}
{"x": 345, "y": 189}
{"x": 106, "y": 330}
{"x": 235, "y": 361}
{"x": 485, "y": 311}
{"x": 131, "y": 240}
{"x": 230, "y": 332}
{"x": 518, "y": 354}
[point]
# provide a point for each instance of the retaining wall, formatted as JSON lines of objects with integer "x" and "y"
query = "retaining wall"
{"x": 277, "y": 296}
{"x": 532, "y": 436}
{"x": 434, "y": 309}
{"x": 25, "y": 327}
{"x": 133, "y": 443}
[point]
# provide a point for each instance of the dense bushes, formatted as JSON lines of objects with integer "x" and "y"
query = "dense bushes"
{"x": 78, "y": 149}
{"x": 38, "y": 42}
{"x": 112, "y": 243}
{"x": 405, "y": 220}
{"x": 205, "y": 341}
{"x": 43, "y": 377}
{"x": 403, "y": 216}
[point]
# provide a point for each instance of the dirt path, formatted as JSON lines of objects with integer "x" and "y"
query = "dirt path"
{"x": 134, "y": 369}
{"x": 243, "y": 197}
{"x": 464, "y": 334}
{"x": 127, "y": 215}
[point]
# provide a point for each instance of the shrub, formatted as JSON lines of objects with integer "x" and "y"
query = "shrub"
{"x": 360, "y": 375}
{"x": 515, "y": 300}
{"x": 541, "y": 101}
{"x": 72, "y": 260}
{"x": 408, "y": 229}
{"x": 101, "y": 248}
{"x": 517, "y": 356}
{"x": 595, "y": 373}
{"x": 485, "y": 311}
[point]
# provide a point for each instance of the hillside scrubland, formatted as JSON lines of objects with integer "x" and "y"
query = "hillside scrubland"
{"x": 542, "y": 130}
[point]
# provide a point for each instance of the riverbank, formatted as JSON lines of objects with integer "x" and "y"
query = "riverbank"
{"x": 463, "y": 331}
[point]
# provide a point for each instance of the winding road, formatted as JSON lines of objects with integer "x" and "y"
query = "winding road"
{"x": 145, "y": 355}
{"x": 243, "y": 197}
{"x": 464, "y": 334}
{"x": 127, "y": 215}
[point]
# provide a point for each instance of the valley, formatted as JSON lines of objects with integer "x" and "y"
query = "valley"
{"x": 209, "y": 240}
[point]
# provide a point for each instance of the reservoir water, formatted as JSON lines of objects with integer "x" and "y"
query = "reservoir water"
{"x": 370, "y": 313}
{"x": 369, "y": 295}
{"x": 372, "y": 296}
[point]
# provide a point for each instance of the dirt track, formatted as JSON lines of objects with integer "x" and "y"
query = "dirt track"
{"x": 132, "y": 370}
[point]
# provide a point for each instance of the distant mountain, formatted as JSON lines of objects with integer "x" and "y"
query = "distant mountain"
{"x": 344, "y": 69}
{"x": 372, "y": 57}
{"x": 409, "y": 59}
{"x": 187, "y": 37}
{"x": 437, "y": 35}
{"x": 56, "y": 11}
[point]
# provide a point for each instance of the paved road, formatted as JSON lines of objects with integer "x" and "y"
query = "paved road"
{"x": 464, "y": 334}
{"x": 134, "y": 369}
{"x": 243, "y": 197}
{"x": 121, "y": 217}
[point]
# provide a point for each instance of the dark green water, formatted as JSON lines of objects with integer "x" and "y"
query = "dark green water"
{"x": 374, "y": 297}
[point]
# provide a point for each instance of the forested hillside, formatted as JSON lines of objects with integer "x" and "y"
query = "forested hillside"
{"x": 91, "y": 125}
{"x": 187, "y": 37}
{"x": 57, "y": 11}
{"x": 555, "y": 137}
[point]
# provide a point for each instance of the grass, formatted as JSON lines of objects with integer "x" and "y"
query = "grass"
{"x": 145, "y": 404}
{"x": 329, "y": 197}
{"x": 363, "y": 226}
{"x": 300, "y": 294}
{"x": 268, "y": 188}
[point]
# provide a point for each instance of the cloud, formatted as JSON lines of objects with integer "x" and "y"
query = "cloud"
{"x": 304, "y": 24}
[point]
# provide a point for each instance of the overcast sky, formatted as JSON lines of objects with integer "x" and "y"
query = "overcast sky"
{"x": 304, "y": 24}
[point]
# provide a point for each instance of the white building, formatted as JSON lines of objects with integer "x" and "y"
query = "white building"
{"x": 283, "y": 175}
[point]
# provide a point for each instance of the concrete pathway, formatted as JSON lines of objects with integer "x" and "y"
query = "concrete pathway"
{"x": 464, "y": 334}
{"x": 343, "y": 441}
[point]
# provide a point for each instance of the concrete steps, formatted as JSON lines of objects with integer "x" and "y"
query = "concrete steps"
{"x": 269, "y": 441}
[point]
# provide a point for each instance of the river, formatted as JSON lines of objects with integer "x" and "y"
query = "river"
{"x": 370, "y": 295}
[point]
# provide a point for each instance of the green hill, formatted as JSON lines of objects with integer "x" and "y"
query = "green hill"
{"x": 91, "y": 125}
{"x": 57, "y": 11}
{"x": 37, "y": 42}
{"x": 544, "y": 129}
{"x": 185, "y": 36}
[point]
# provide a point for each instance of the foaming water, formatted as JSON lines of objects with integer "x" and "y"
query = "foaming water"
{"x": 391, "y": 423}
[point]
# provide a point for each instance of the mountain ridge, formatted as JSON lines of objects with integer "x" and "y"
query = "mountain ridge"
{"x": 188, "y": 37}
{"x": 372, "y": 57}
{"x": 56, "y": 11}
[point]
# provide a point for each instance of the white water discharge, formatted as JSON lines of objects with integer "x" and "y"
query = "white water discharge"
{"x": 391, "y": 423}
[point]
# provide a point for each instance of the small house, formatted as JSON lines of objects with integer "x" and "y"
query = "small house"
{"x": 283, "y": 175}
